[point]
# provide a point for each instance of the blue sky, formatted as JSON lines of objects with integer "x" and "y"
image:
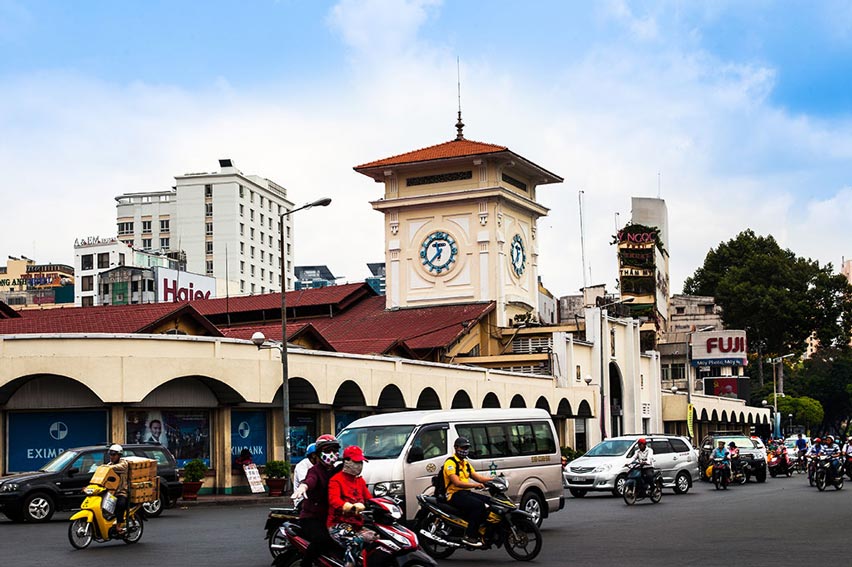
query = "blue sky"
{"x": 742, "y": 108}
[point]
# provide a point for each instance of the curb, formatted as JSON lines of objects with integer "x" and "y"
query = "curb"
{"x": 270, "y": 501}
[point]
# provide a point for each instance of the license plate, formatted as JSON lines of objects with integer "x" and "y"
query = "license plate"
{"x": 576, "y": 479}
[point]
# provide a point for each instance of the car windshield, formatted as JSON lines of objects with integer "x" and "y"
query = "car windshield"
{"x": 610, "y": 448}
{"x": 378, "y": 442}
{"x": 741, "y": 442}
{"x": 60, "y": 461}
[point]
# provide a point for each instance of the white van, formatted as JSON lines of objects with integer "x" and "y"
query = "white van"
{"x": 406, "y": 449}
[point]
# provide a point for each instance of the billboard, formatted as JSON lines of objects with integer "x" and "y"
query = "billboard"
{"x": 248, "y": 431}
{"x": 182, "y": 286}
{"x": 719, "y": 348}
{"x": 186, "y": 433}
{"x": 37, "y": 437}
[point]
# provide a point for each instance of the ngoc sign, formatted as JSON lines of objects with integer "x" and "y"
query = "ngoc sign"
{"x": 719, "y": 348}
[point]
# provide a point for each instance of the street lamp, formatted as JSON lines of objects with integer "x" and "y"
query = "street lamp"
{"x": 602, "y": 310}
{"x": 261, "y": 342}
{"x": 790, "y": 429}
{"x": 776, "y": 423}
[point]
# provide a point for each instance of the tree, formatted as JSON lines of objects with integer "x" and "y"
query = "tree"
{"x": 778, "y": 298}
{"x": 806, "y": 411}
{"x": 827, "y": 378}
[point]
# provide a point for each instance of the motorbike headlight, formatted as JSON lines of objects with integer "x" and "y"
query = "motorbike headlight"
{"x": 88, "y": 491}
{"x": 9, "y": 487}
{"x": 390, "y": 488}
{"x": 603, "y": 468}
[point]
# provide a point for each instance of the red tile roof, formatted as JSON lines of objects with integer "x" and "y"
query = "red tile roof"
{"x": 451, "y": 149}
{"x": 333, "y": 294}
{"x": 101, "y": 319}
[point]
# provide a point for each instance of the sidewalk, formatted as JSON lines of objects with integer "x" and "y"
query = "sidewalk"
{"x": 237, "y": 500}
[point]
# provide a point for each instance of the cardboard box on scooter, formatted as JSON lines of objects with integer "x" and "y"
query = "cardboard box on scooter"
{"x": 141, "y": 469}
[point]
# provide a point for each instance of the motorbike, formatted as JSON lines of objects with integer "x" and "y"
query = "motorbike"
{"x": 441, "y": 527}
{"x": 720, "y": 476}
{"x": 382, "y": 516}
{"x": 826, "y": 473}
{"x": 635, "y": 487}
{"x": 96, "y": 519}
{"x": 847, "y": 466}
{"x": 274, "y": 528}
{"x": 780, "y": 464}
{"x": 740, "y": 471}
{"x": 800, "y": 465}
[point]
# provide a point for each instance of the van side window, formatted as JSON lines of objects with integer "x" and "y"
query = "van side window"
{"x": 486, "y": 441}
{"x": 679, "y": 446}
{"x": 544, "y": 441}
{"x": 660, "y": 446}
{"x": 433, "y": 442}
{"x": 522, "y": 439}
{"x": 498, "y": 443}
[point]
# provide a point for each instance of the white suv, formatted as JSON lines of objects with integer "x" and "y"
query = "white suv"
{"x": 604, "y": 467}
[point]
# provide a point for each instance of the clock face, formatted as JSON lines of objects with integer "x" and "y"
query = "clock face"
{"x": 438, "y": 252}
{"x": 518, "y": 255}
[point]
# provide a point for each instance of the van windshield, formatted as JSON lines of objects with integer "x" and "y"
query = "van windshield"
{"x": 378, "y": 442}
{"x": 610, "y": 448}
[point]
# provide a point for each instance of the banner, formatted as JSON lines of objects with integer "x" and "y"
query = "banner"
{"x": 248, "y": 431}
{"x": 37, "y": 437}
{"x": 253, "y": 476}
{"x": 186, "y": 433}
{"x": 689, "y": 420}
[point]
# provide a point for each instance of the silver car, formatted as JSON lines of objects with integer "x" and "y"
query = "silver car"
{"x": 604, "y": 467}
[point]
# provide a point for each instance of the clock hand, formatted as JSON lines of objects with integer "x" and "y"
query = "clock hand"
{"x": 436, "y": 256}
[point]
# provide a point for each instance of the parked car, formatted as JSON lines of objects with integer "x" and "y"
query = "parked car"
{"x": 58, "y": 485}
{"x": 604, "y": 466}
{"x": 751, "y": 449}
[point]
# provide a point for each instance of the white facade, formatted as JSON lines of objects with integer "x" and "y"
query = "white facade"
{"x": 226, "y": 223}
{"x": 91, "y": 257}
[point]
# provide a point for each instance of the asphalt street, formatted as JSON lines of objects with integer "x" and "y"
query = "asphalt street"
{"x": 753, "y": 525}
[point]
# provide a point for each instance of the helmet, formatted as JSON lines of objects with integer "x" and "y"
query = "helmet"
{"x": 732, "y": 444}
{"x": 642, "y": 441}
{"x": 817, "y": 440}
{"x": 324, "y": 441}
{"x": 116, "y": 448}
{"x": 312, "y": 448}
{"x": 462, "y": 442}
{"x": 830, "y": 438}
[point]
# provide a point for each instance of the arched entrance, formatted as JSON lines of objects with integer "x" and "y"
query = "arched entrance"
{"x": 616, "y": 406}
{"x": 490, "y": 401}
{"x": 461, "y": 400}
{"x": 428, "y": 400}
{"x": 518, "y": 402}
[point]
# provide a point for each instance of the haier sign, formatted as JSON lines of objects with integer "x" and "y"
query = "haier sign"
{"x": 35, "y": 438}
{"x": 183, "y": 286}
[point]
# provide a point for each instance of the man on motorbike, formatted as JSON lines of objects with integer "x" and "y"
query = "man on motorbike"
{"x": 347, "y": 496}
{"x": 301, "y": 471}
{"x": 119, "y": 467}
{"x": 313, "y": 490}
{"x": 829, "y": 449}
{"x": 801, "y": 446}
{"x": 460, "y": 479}
{"x": 645, "y": 458}
{"x": 721, "y": 452}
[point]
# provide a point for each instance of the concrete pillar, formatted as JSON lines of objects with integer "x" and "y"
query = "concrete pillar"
{"x": 220, "y": 449}
{"x": 118, "y": 425}
{"x": 3, "y": 442}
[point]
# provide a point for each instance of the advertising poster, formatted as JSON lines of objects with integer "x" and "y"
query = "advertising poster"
{"x": 37, "y": 437}
{"x": 725, "y": 387}
{"x": 344, "y": 418}
{"x": 302, "y": 433}
{"x": 248, "y": 431}
{"x": 186, "y": 433}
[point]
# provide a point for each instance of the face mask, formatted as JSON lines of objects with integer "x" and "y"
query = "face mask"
{"x": 462, "y": 452}
{"x": 353, "y": 468}
{"x": 329, "y": 458}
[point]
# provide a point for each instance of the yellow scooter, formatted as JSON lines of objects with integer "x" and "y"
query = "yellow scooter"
{"x": 96, "y": 520}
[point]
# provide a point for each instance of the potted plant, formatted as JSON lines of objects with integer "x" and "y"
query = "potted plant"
{"x": 277, "y": 474}
{"x": 193, "y": 477}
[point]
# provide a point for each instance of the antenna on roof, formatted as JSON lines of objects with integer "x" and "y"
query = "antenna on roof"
{"x": 459, "y": 124}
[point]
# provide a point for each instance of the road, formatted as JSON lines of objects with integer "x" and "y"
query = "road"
{"x": 751, "y": 525}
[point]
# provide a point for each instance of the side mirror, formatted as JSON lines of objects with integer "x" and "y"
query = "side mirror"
{"x": 72, "y": 471}
{"x": 415, "y": 454}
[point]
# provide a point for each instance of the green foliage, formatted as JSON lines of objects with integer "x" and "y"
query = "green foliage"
{"x": 194, "y": 471}
{"x": 826, "y": 378}
{"x": 779, "y": 299}
{"x": 570, "y": 453}
{"x": 806, "y": 411}
{"x": 277, "y": 469}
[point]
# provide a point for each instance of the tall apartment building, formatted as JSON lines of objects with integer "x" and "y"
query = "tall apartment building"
{"x": 226, "y": 224}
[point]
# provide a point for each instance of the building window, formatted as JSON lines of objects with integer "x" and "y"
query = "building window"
{"x": 242, "y": 247}
{"x": 262, "y": 238}
{"x": 242, "y": 282}
{"x": 261, "y": 201}
{"x": 708, "y": 309}
{"x": 262, "y": 273}
{"x": 88, "y": 301}
{"x": 242, "y": 267}
{"x": 252, "y": 270}
{"x": 261, "y": 219}
{"x": 125, "y": 228}
{"x": 262, "y": 255}
{"x": 251, "y": 233}
{"x": 208, "y": 190}
{"x": 270, "y": 223}
{"x": 146, "y": 226}
{"x": 288, "y": 249}
{"x": 242, "y": 194}
{"x": 209, "y": 267}
{"x": 251, "y": 254}
{"x": 87, "y": 283}
{"x": 87, "y": 262}
{"x": 251, "y": 215}
{"x": 612, "y": 342}
{"x": 270, "y": 241}
{"x": 242, "y": 229}
{"x": 242, "y": 211}
{"x": 208, "y": 209}
{"x": 146, "y": 244}
{"x": 251, "y": 200}
{"x": 164, "y": 243}
{"x": 579, "y": 373}
{"x": 209, "y": 247}
{"x": 252, "y": 289}
{"x": 288, "y": 231}
{"x": 271, "y": 279}
{"x": 164, "y": 225}
{"x": 262, "y": 289}
{"x": 121, "y": 259}
{"x": 680, "y": 310}
{"x": 103, "y": 260}
{"x": 105, "y": 289}
{"x": 208, "y": 229}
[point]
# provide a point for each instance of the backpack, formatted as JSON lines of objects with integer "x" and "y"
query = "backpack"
{"x": 438, "y": 480}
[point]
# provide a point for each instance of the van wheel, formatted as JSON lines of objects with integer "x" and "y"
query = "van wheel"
{"x": 619, "y": 485}
{"x": 577, "y": 492}
{"x": 533, "y": 504}
{"x": 682, "y": 483}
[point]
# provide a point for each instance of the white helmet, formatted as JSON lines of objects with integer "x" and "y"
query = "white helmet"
{"x": 117, "y": 448}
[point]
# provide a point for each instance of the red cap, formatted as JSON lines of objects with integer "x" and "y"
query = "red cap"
{"x": 354, "y": 453}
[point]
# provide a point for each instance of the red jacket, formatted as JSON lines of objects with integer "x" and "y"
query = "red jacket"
{"x": 344, "y": 488}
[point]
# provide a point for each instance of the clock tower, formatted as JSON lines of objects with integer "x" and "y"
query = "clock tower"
{"x": 460, "y": 226}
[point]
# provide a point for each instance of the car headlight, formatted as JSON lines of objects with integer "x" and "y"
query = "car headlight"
{"x": 390, "y": 488}
{"x": 603, "y": 468}
{"x": 9, "y": 487}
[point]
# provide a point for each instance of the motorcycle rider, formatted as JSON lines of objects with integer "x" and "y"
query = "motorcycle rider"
{"x": 721, "y": 452}
{"x": 833, "y": 451}
{"x": 645, "y": 458}
{"x": 735, "y": 456}
{"x": 347, "y": 496}
{"x": 801, "y": 447}
{"x": 460, "y": 479}
{"x": 119, "y": 467}
{"x": 313, "y": 490}
{"x": 301, "y": 471}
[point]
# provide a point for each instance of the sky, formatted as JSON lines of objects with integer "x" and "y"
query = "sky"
{"x": 736, "y": 113}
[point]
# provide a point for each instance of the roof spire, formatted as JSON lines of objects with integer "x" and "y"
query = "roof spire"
{"x": 459, "y": 123}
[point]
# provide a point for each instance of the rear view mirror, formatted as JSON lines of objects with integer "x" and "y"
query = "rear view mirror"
{"x": 415, "y": 454}
{"x": 72, "y": 471}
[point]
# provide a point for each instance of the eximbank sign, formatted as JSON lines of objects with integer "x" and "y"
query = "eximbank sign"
{"x": 183, "y": 286}
{"x": 719, "y": 348}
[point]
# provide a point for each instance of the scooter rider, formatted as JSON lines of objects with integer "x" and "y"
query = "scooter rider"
{"x": 833, "y": 451}
{"x": 801, "y": 446}
{"x": 735, "y": 456}
{"x": 460, "y": 479}
{"x": 721, "y": 452}
{"x": 301, "y": 471}
{"x": 347, "y": 498}
{"x": 314, "y": 490}
{"x": 119, "y": 467}
{"x": 645, "y": 457}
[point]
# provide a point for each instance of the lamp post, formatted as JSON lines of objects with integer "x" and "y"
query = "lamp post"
{"x": 776, "y": 423}
{"x": 261, "y": 342}
{"x": 602, "y": 309}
